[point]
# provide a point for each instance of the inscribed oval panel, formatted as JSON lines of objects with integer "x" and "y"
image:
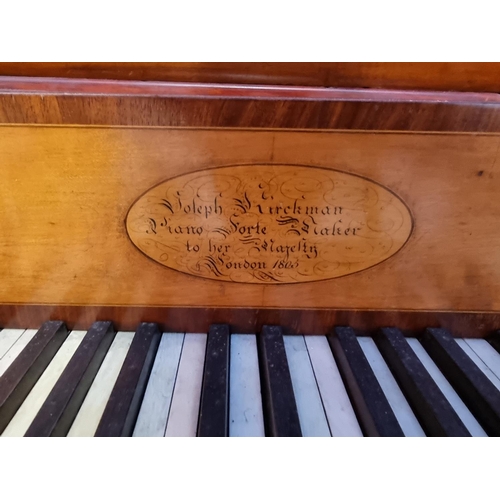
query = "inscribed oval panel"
{"x": 269, "y": 224}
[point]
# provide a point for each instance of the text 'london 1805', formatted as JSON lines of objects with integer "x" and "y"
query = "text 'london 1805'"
{"x": 269, "y": 224}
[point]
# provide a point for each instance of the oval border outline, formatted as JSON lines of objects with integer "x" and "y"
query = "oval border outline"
{"x": 412, "y": 219}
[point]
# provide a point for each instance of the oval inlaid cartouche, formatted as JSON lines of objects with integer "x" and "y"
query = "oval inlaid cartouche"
{"x": 269, "y": 224}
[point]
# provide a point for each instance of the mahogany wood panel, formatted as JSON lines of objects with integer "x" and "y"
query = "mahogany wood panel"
{"x": 87, "y": 102}
{"x": 251, "y": 320}
{"x": 80, "y": 86}
{"x": 482, "y": 77}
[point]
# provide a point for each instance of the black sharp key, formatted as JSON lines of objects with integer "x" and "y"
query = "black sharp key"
{"x": 471, "y": 384}
{"x": 135, "y": 404}
{"x": 26, "y": 369}
{"x": 280, "y": 409}
{"x": 372, "y": 408}
{"x": 121, "y": 410}
{"x": 494, "y": 340}
{"x": 435, "y": 413}
{"x": 62, "y": 404}
{"x": 214, "y": 407}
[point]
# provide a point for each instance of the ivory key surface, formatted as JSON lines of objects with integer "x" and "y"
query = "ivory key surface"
{"x": 488, "y": 356}
{"x": 153, "y": 415}
{"x": 245, "y": 398}
{"x": 35, "y": 399}
{"x": 183, "y": 417}
{"x": 453, "y": 398}
{"x": 8, "y": 337}
{"x": 90, "y": 413}
{"x": 312, "y": 416}
{"x": 338, "y": 408}
{"x": 16, "y": 349}
{"x": 407, "y": 419}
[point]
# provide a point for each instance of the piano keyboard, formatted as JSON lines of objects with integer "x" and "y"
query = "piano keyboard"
{"x": 147, "y": 383}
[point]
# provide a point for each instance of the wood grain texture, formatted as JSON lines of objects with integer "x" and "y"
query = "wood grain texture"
{"x": 250, "y": 320}
{"x": 66, "y": 193}
{"x": 87, "y": 102}
{"x": 59, "y": 183}
{"x": 85, "y": 87}
{"x": 431, "y": 76}
{"x": 269, "y": 224}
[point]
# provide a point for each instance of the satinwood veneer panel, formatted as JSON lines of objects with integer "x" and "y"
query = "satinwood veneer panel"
{"x": 66, "y": 192}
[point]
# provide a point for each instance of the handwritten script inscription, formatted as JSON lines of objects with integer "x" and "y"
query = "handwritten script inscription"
{"x": 269, "y": 224}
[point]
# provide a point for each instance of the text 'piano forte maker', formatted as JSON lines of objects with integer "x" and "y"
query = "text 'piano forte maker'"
{"x": 269, "y": 224}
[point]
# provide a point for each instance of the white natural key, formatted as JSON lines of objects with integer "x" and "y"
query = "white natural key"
{"x": 402, "y": 410}
{"x": 87, "y": 420}
{"x": 153, "y": 415}
{"x": 35, "y": 399}
{"x": 7, "y": 339}
{"x": 489, "y": 358}
{"x": 183, "y": 416}
{"x": 245, "y": 398}
{"x": 16, "y": 349}
{"x": 453, "y": 398}
{"x": 309, "y": 406}
{"x": 339, "y": 412}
